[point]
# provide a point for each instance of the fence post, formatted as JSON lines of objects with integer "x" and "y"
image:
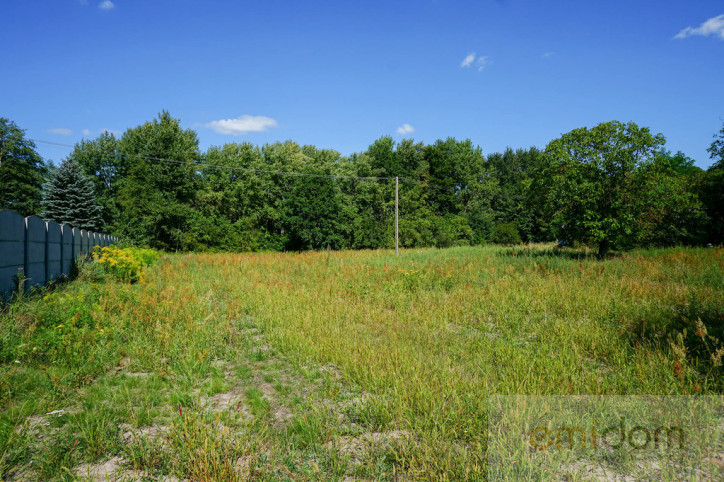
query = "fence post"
{"x": 36, "y": 236}
{"x": 12, "y": 249}
{"x": 53, "y": 251}
{"x": 77, "y": 246}
{"x": 66, "y": 249}
{"x": 42, "y": 250}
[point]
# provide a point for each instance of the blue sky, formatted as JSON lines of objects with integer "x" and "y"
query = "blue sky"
{"x": 340, "y": 74}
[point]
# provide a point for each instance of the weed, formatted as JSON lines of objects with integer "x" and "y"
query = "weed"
{"x": 264, "y": 365}
{"x": 126, "y": 264}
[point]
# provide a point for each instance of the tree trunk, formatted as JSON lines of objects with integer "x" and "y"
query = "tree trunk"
{"x": 603, "y": 249}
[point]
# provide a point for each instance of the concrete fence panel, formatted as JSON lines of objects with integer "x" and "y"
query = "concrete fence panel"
{"x": 66, "y": 249}
{"x": 43, "y": 251}
{"x": 53, "y": 252}
{"x": 83, "y": 242}
{"x": 77, "y": 239}
{"x": 12, "y": 248}
{"x": 36, "y": 232}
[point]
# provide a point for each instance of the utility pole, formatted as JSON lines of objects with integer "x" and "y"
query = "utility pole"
{"x": 397, "y": 229}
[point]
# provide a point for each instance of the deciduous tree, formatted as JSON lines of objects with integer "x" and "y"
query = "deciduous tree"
{"x": 21, "y": 170}
{"x": 716, "y": 149}
{"x": 712, "y": 190}
{"x": 101, "y": 161}
{"x": 314, "y": 215}
{"x": 668, "y": 208}
{"x": 155, "y": 196}
{"x": 588, "y": 182}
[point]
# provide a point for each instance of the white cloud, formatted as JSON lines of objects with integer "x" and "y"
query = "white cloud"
{"x": 468, "y": 61}
{"x": 482, "y": 63}
{"x": 106, "y": 5}
{"x": 61, "y": 131}
{"x": 548, "y": 54}
{"x": 111, "y": 131}
{"x": 405, "y": 129}
{"x": 86, "y": 132}
{"x": 713, "y": 26}
{"x": 242, "y": 125}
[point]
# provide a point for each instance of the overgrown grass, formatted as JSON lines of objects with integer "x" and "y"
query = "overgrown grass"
{"x": 318, "y": 365}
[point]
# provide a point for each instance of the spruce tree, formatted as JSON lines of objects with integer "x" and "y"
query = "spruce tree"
{"x": 68, "y": 198}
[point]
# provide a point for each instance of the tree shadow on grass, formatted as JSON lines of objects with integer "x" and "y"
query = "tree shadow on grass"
{"x": 577, "y": 254}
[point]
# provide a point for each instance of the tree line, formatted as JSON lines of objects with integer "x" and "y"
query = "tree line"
{"x": 613, "y": 186}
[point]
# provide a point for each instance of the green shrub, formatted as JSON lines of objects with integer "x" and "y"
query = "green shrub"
{"x": 505, "y": 233}
{"x": 452, "y": 231}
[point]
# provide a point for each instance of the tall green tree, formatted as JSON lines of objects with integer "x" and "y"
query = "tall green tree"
{"x": 22, "y": 170}
{"x": 712, "y": 196}
{"x": 513, "y": 170}
{"x": 314, "y": 215}
{"x": 444, "y": 160}
{"x": 100, "y": 160}
{"x": 587, "y": 183}
{"x": 69, "y": 198}
{"x": 669, "y": 211}
{"x": 461, "y": 184}
{"x": 244, "y": 191}
{"x": 716, "y": 149}
{"x": 156, "y": 195}
{"x": 384, "y": 159}
{"x": 232, "y": 194}
{"x": 712, "y": 190}
{"x": 372, "y": 201}
{"x": 679, "y": 163}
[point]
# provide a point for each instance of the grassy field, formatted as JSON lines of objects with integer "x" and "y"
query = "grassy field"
{"x": 329, "y": 365}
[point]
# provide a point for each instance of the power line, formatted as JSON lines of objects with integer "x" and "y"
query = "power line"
{"x": 238, "y": 168}
{"x": 248, "y": 169}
